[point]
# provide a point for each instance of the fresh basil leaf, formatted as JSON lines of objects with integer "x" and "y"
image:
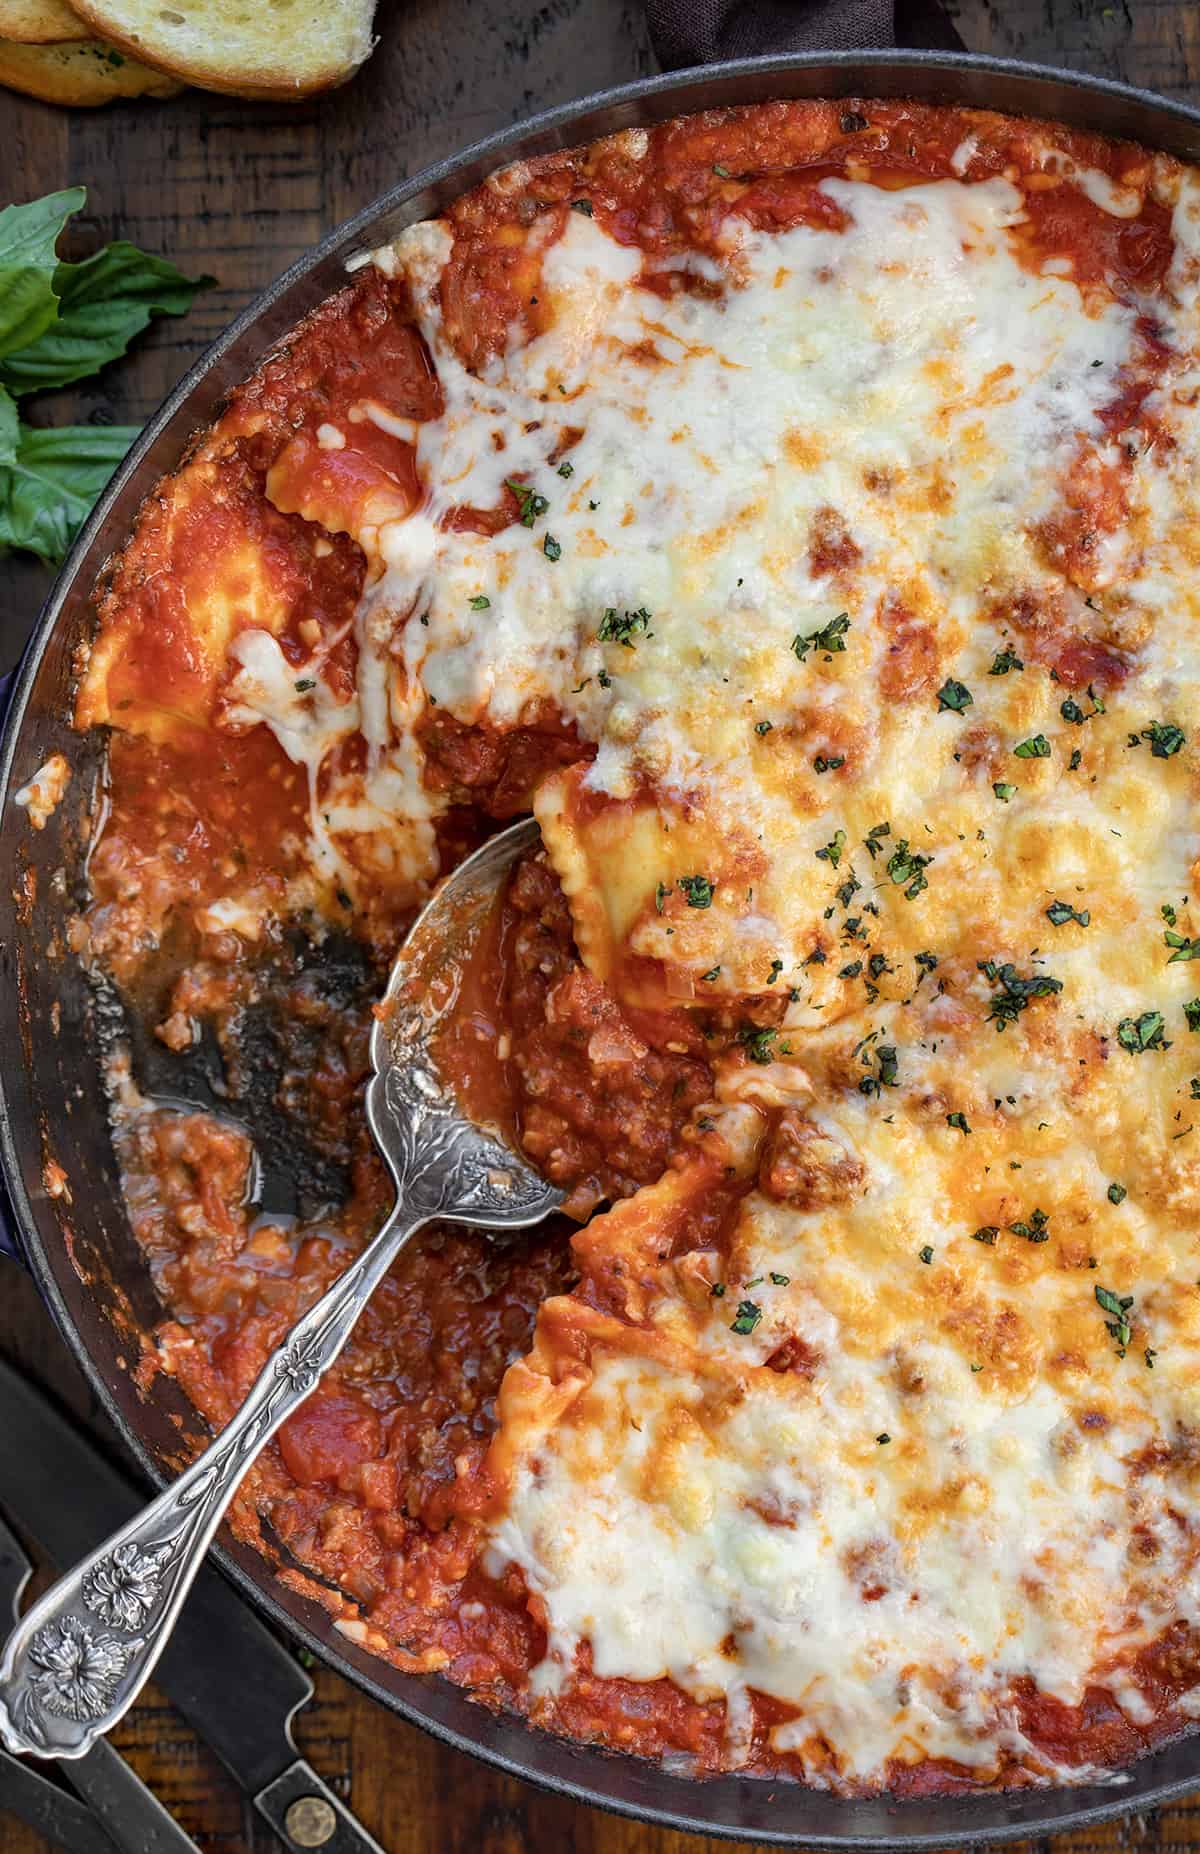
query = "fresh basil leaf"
{"x": 28, "y": 234}
{"x": 103, "y": 303}
{"x": 8, "y": 428}
{"x": 47, "y": 490}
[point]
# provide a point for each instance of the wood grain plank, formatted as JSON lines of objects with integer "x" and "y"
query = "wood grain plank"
{"x": 240, "y": 190}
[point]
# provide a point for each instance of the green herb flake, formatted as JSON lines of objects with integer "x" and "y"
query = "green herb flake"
{"x": 1191, "y": 1011}
{"x": 1036, "y": 1230}
{"x": 763, "y": 727}
{"x": 1060, "y": 912}
{"x": 1037, "y": 747}
{"x": 304, "y": 684}
{"x": 566, "y": 469}
{"x": 1015, "y": 993}
{"x": 887, "y": 1070}
{"x": 883, "y": 1438}
{"x": 717, "y": 1290}
{"x": 907, "y": 869}
{"x": 1119, "y": 1326}
{"x": 1164, "y": 737}
{"x": 926, "y": 1254}
{"x": 722, "y": 173}
{"x": 988, "y": 1233}
{"x": 1003, "y": 661}
{"x": 1071, "y": 711}
{"x": 622, "y": 627}
{"x": 747, "y": 1318}
{"x": 832, "y": 852}
{"x": 1117, "y": 1193}
{"x": 480, "y": 603}
{"x": 1136, "y": 1034}
{"x": 1185, "y": 948}
{"x": 708, "y": 977}
{"x": 582, "y": 206}
{"x": 828, "y": 641}
{"x": 1076, "y": 761}
{"x": 958, "y": 1122}
{"x": 778, "y": 1280}
{"x": 953, "y": 697}
{"x": 824, "y": 763}
{"x": 530, "y": 504}
{"x": 757, "y": 1041}
{"x": 662, "y": 890}
{"x": 698, "y": 890}
{"x": 1004, "y": 791}
{"x": 552, "y": 548}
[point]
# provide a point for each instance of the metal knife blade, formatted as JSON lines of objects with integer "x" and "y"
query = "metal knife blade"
{"x": 233, "y": 1682}
{"x": 120, "y": 1803}
{"x": 60, "y": 1818}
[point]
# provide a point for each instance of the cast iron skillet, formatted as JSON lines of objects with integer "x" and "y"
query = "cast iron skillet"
{"x": 80, "y": 1248}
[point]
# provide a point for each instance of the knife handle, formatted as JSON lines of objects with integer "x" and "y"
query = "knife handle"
{"x": 306, "y": 1815}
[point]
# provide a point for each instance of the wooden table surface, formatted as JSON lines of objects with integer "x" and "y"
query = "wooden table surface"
{"x": 239, "y": 190}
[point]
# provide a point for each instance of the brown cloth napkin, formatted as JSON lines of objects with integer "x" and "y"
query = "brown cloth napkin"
{"x": 687, "y": 32}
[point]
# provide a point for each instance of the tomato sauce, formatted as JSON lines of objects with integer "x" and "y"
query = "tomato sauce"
{"x": 378, "y": 1485}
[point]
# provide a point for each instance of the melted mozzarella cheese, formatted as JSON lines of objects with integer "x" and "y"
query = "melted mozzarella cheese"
{"x": 914, "y": 367}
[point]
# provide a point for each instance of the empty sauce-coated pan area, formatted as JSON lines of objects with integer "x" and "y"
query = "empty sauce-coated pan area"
{"x": 714, "y": 990}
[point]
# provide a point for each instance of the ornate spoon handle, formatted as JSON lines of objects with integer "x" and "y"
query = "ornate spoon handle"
{"x": 80, "y": 1657}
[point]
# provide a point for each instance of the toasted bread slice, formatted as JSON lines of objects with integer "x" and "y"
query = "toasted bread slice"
{"x": 83, "y": 73}
{"x": 245, "y": 48}
{"x": 39, "y": 22}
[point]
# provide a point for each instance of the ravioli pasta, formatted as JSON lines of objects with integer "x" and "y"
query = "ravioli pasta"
{"x": 796, "y": 509}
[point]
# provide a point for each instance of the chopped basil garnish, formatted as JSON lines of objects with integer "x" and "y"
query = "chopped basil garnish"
{"x": 698, "y": 889}
{"x": 763, "y": 727}
{"x": 566, "y": 469}
{"x": 1016, "y": 992}
{"x": 1037, "y": 747}
{"x": 1117, "y": 1194}
{"x": 1191, "y": 1011}
{"x": 958, "y": 1122}
{"x": 907, "y": 869}
{"x": 887, "y": 1070}
{"x": 926, "y": 1254}
{"x": 583, "y": 206}
{"x": 1184, "y": 948}
{"x": 1004, "y": 791}
{"x": 953, "y": 697}
{"x": 756, "y": 1040}
{"x": 531, "y": 504}
{"x": 622, "y": 627}
{"x": 871, "y": 842}
{"x": 829, "y": 640}
{"x": 747, "y": 1318}
{"x": 1118, "y": 1326}
{"x": 832, "y": 852}
{"x": 1060, "y": 912}
{"x": 305, "y": 683}
{"x": 1003, "y": 661}
{"x": 1145, "y": 1032}
{"x": 1164, "y": 737}
{"x": 778, "y": 1280}
{"x": 987, "y": 1232}
{"x": 1036, "y": 1230}
{"x": 480, "y": 603}
{"x": 823, "y": 763}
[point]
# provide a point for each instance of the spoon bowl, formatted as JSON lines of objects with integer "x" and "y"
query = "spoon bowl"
{"x": 78, "y": 1659}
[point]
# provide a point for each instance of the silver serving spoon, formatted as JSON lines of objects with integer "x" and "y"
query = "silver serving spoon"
{"x": 79, "y": 1658}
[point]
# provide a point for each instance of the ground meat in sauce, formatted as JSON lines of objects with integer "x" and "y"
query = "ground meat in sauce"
{"x": 375, "y": 1486}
